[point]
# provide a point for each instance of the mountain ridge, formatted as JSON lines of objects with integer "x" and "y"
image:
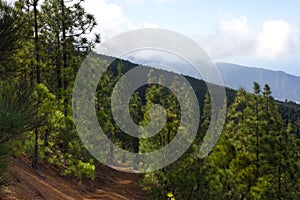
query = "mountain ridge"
{"x": 284, "y": 86}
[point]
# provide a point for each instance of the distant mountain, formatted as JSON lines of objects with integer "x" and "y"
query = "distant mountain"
{"x": 237, "y": 75}
{"x": 283, "y": 85}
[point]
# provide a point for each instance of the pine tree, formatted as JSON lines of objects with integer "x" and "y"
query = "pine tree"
{"x": 137, "y": 116}
{"x": 64, "y": 29}
{"x": 206, "y": 116}
{"x": 257, "y": 134}
{"x": 13, "y": 35}
{"x": 52, "y": 53}
{"x": 278, "y": 151}
{"x": 18, "y": 106}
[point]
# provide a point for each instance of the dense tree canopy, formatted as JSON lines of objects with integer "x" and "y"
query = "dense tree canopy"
{"x": 43, "y": 44}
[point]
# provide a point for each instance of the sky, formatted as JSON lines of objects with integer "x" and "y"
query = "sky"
{"x": 258, "y": 33}
{"x": 252, "y": 33}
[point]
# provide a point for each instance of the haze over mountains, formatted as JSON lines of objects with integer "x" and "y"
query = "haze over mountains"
{"x": 283, "y": 85}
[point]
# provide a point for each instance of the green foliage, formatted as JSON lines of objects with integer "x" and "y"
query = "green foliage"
{"x": 43, "y": 47}
{"x": 60, "y": 145}
{"x": 18, "y": 107}
{"x": 79, "y": 169}
{"x": 257, "y": 156}
{"x": 12, "y": 34}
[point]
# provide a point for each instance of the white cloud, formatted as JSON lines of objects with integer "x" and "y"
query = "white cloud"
{"x": 232, "y": 37}
{"x": 276, "y": 39}
{"x": 235, "y": 38}
{"x": 110, "y": 17}
{"x": 237, "y": 25}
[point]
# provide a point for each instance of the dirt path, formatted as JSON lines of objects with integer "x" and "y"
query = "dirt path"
{"x": 45, "y": 183}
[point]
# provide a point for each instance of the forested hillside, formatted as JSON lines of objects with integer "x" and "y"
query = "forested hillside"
{"x": 257, "y": 156}
{"x": 42, "y": 48}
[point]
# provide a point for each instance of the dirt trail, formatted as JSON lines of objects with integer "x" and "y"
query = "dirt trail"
{"x": 45, "y": 183}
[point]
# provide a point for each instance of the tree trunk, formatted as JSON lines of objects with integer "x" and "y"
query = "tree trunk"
{"x": 36, "y": 41}
{"x": 58, "y": 68}
{"x": 64, "y": 55}
{"x": 38, "y": 80}
{"x": 36, "y": 150}
{"x": 257, "y": 139}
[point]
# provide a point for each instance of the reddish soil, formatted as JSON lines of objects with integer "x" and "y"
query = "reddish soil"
{"x": 26, "y": 183}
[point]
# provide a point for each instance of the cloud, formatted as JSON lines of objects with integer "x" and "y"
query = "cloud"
{"x": 236, "y": 25}
{"x": 276, "y": 39}
{"x": 235, "y": 38}
{"x": 232, "y": 37}
{"x": 110, "y": 17}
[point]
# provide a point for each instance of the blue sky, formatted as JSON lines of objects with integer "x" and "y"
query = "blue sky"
{"x": 260, "y": 33}
{"x": 192, "y": 16}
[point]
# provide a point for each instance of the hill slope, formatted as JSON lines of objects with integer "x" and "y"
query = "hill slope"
{"x": 27, "y": 183}
{"x": 284, "y": 86}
